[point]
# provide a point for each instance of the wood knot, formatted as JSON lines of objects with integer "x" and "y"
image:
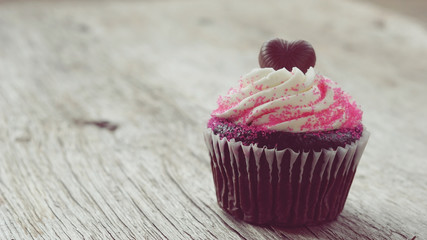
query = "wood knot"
{"x": 98, "y": 123}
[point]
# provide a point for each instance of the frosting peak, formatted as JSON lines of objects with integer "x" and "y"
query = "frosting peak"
{"x": 288, "y": 101}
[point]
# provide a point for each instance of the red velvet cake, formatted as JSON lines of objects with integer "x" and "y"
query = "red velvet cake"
{"x": 285, "y": 143}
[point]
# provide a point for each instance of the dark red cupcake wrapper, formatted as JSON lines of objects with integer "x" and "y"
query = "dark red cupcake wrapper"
{"x": 282, "y": 187}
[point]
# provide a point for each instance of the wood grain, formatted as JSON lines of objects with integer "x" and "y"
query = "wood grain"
{"x": 103, "y": 105}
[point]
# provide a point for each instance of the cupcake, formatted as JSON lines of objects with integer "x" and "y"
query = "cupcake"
{"x": 285, "y": 143}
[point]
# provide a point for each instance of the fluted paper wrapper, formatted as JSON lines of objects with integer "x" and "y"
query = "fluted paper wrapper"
{"x": 282, "y": 187}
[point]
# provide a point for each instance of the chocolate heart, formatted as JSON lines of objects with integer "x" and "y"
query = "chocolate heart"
{"x": 278, "y": 53}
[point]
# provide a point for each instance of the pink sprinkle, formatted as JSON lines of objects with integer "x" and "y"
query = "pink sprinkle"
{"x": 259, "y": 87}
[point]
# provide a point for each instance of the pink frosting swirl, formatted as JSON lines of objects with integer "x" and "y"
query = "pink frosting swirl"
{"x": 289, "y": 101}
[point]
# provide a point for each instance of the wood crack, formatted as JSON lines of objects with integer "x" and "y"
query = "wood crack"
{"x": 59, "y": 219}
{"x": 400, "y": 234}
{"x": 152, "y": 202}
{"x": 189, "y": 235}
{"x": 183, "y": 192}
{"x": 84, "y": 188}
{"x": 109, "y": 233}
{"x": 27, "y": 231}
{"x": 114, "y": 212}
{"x": 273, "y": 229}
{"x": 146, "y": 217}
{"x": 315, "y": 235}
{"x": 225, "y": 223}
{"x": 71, "y": 196}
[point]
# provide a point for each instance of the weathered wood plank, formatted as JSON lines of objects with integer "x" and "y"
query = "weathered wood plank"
{"x": 103, "y": 105}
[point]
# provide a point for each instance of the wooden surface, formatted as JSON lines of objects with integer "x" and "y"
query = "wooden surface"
{"x": 103, "y": 105}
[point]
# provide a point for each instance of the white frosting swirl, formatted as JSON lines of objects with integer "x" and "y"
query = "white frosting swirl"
{"x": 288, "y": 101}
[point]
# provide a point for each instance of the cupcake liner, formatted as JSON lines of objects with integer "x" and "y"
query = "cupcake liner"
{"x": 282, "y": 187}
